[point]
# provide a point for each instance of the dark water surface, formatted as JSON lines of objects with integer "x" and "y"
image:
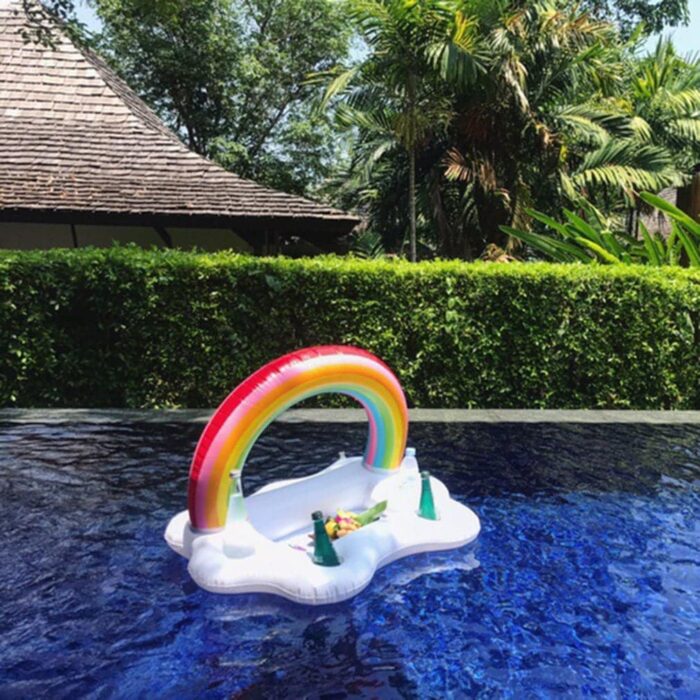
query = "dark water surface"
{"x": 585, "y": 580}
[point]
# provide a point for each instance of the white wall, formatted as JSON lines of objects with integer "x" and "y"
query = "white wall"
{"x": 208, "y": 239}
{"x": 25, "y": 236}
{"x": 105, "y": 236}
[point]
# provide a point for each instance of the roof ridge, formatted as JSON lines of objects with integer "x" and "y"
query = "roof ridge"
{"x": 74, "y": 133}
{"x": 121, "y": 89}
{"x": 147, "y": 116}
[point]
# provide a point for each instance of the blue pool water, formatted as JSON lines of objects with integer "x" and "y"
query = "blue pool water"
{"x": 585, "y": 580}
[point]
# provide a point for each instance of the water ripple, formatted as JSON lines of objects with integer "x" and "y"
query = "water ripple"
{"x": 585, "y": 580}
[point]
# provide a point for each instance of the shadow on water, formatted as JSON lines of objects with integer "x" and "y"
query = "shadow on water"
{"x": 493, "y": 458}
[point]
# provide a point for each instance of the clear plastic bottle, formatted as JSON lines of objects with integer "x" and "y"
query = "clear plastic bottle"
{"x": 410, "y": 463}
{"x": 236, "y": 503}
{"x": 236, "y": 516}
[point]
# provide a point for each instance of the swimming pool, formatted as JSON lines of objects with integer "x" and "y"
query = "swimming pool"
{"x": 585, "y": 579}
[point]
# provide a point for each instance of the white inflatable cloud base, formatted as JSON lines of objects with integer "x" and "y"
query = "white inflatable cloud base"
{"x": 271, "y": 551}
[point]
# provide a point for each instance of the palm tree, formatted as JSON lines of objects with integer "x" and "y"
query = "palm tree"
{"x": 664, "y": 97}
{"x": 541, "y": 123}
{"x": 659, "y": 142}
{"x": 476, "y": 102}
{"x": 393, "y": 96}
{"x": 516, "y": 105}
{"x": 608, "y": 123}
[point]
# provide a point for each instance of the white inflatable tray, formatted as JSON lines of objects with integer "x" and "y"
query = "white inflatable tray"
{"x": 273, "y": 548}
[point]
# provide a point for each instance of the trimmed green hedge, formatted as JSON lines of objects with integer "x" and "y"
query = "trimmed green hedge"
{"x": 123, "y": 327}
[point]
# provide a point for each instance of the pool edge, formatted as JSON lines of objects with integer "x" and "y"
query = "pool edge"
{"x": 352, "y": 415}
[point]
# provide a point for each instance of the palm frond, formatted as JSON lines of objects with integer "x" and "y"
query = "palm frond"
{"x": 588, "y": 239}
{"x": 686, "y": 131}
{"x": 338, "y": 85}
{"x": 627, "y": 165}
{"x": 597, "y": 122}
{"x": 680, "y": 104}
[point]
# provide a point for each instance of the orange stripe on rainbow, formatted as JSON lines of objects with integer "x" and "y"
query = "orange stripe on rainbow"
{"x": 256, "y": 402}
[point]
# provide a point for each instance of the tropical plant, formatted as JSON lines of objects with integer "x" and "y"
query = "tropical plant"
{"x": 591, "y": 237}
{"x": 664, "y": 97}
{"x": 519, "y": 106}
{"x": 368, "y": 245}
{"x": 393, "y": 96}
{"x": 519, "y": 122}
{"x": 528, "y": 105}
{"x": 660, "y": 108}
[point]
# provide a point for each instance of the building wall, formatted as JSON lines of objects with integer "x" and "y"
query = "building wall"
{"x": 689, "y": 196}
{"x": 26, "y": 236}
{"x": 209, "y": 239}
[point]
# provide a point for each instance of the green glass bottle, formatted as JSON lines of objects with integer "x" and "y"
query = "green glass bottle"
{"x": 324, "y": 554}
{"x": 426, "y": 508}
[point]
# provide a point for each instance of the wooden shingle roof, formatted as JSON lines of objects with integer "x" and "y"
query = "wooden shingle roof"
{"x": 78, "y": 145}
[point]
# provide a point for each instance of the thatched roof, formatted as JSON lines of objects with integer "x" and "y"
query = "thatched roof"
{"x": 78, "y": 145}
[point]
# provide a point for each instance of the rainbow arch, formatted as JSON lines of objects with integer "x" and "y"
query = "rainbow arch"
{"x": 256, "y": 402}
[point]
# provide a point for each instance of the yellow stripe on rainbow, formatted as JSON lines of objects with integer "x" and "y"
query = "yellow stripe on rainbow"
{"x": 256, "y": 402}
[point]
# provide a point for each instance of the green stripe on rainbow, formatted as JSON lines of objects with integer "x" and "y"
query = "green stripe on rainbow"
{"x": 256, "y": 402}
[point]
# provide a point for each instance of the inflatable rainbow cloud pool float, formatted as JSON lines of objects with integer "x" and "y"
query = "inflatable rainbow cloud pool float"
{"x": 266, "y": 547}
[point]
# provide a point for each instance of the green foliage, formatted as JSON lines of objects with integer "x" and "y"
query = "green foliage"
{"x": 390, "y": 96}
{"x": 446, "y": 120}
{"x": 629, "y": 13}
{"x": 520, "y": 105}
{"x": 367, "y": 245}
{"x": 124, "y": 327}
{"x": 511, "y": 105}
{"x": 592, "y": 238}
{"x": 42, "y": 31}
{"x": 664, "y": 100}
{"x": 231, "y": 77}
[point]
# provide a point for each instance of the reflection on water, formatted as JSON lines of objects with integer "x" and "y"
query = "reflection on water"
{"x": 584, "y": 581}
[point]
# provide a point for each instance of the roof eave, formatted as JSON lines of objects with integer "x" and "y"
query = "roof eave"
{"x": 311, "y": 227}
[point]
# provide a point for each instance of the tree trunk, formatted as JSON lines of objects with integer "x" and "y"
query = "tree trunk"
{"x": 412, "y": 202}
{"x": 688, "y": 197}
{"x": 410, "y": 142}
{"x": 492, "y": 214}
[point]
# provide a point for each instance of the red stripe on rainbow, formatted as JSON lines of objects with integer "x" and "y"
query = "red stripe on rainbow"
{"x": 257, "y": 401}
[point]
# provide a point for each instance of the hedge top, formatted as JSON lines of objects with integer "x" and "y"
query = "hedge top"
{"x": 224, "y": 260}
{"x": 124, "y": 327}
